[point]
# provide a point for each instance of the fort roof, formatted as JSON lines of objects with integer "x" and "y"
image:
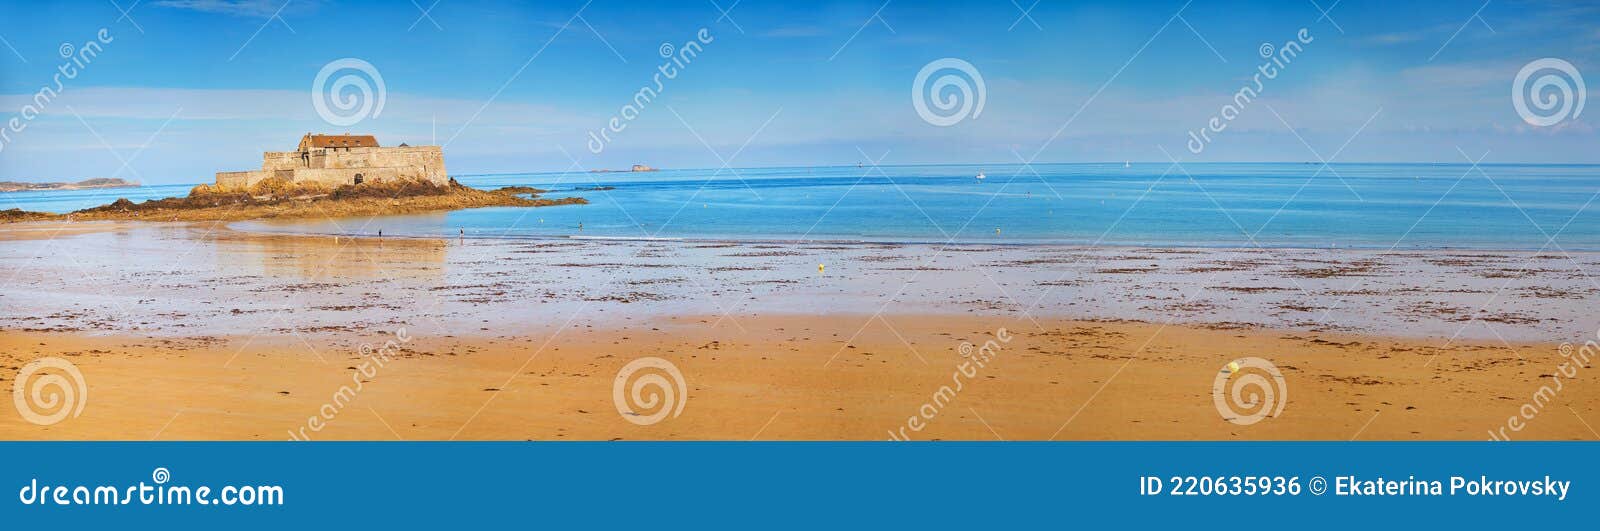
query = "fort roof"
{"x": 326, "y": 141}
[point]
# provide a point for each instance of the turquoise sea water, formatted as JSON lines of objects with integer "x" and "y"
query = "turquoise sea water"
{"x": 1347, "y": 205}
{"x": 70, "y": 200}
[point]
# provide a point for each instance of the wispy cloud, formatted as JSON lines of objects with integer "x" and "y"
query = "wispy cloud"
{"x": 1395, "y": 38}
{"x": 241, "y": 8}
{"x": 1459, "y": 77}
{"x": 786, "y": 32}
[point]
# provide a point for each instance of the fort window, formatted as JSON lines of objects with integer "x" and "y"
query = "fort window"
{"x": 358, "y": 178}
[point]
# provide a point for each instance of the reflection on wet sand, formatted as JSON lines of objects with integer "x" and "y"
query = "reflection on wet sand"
{"x": 203, "y": 278}
{"x": 331, "y": 258}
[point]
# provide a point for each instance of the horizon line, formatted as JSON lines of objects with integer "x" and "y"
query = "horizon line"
{"x": 913, "y": 165}
{"x": 924, "y": 164}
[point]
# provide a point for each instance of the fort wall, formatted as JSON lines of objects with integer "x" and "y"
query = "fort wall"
{"x": 239, "y": 179}
{"x": 334, "y": 177}
{"x": 338, "y": 166}
{"x": 281, "y": 160}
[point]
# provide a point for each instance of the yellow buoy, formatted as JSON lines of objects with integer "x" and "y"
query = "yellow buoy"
{"x": 819, "y": 268}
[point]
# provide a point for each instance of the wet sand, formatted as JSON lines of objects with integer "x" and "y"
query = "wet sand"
{"x": 194, "y": 331}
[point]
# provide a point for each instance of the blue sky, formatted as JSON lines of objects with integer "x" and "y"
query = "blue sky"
{"x": 189, "y": 87}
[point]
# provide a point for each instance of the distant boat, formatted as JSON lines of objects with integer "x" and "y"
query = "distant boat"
{"x": 980, "y": 175}
{"x": 1126, "y": 164}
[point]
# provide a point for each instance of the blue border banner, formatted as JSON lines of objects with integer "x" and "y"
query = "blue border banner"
{"x": 1192, "y": 485}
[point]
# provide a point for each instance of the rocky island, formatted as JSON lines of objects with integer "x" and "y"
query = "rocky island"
{"x": 13, "y": 186}
{"x": 635, "y": 168}
{"x": 327, "y": 176}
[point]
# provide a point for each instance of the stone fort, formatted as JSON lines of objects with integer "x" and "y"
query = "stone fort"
{"x": 337, "y": 160}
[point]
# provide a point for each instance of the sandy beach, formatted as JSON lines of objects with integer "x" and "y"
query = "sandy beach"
{"x": 199, "y": 331}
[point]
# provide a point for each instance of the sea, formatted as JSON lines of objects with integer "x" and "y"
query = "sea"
{"x": 1373, "y": 206}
